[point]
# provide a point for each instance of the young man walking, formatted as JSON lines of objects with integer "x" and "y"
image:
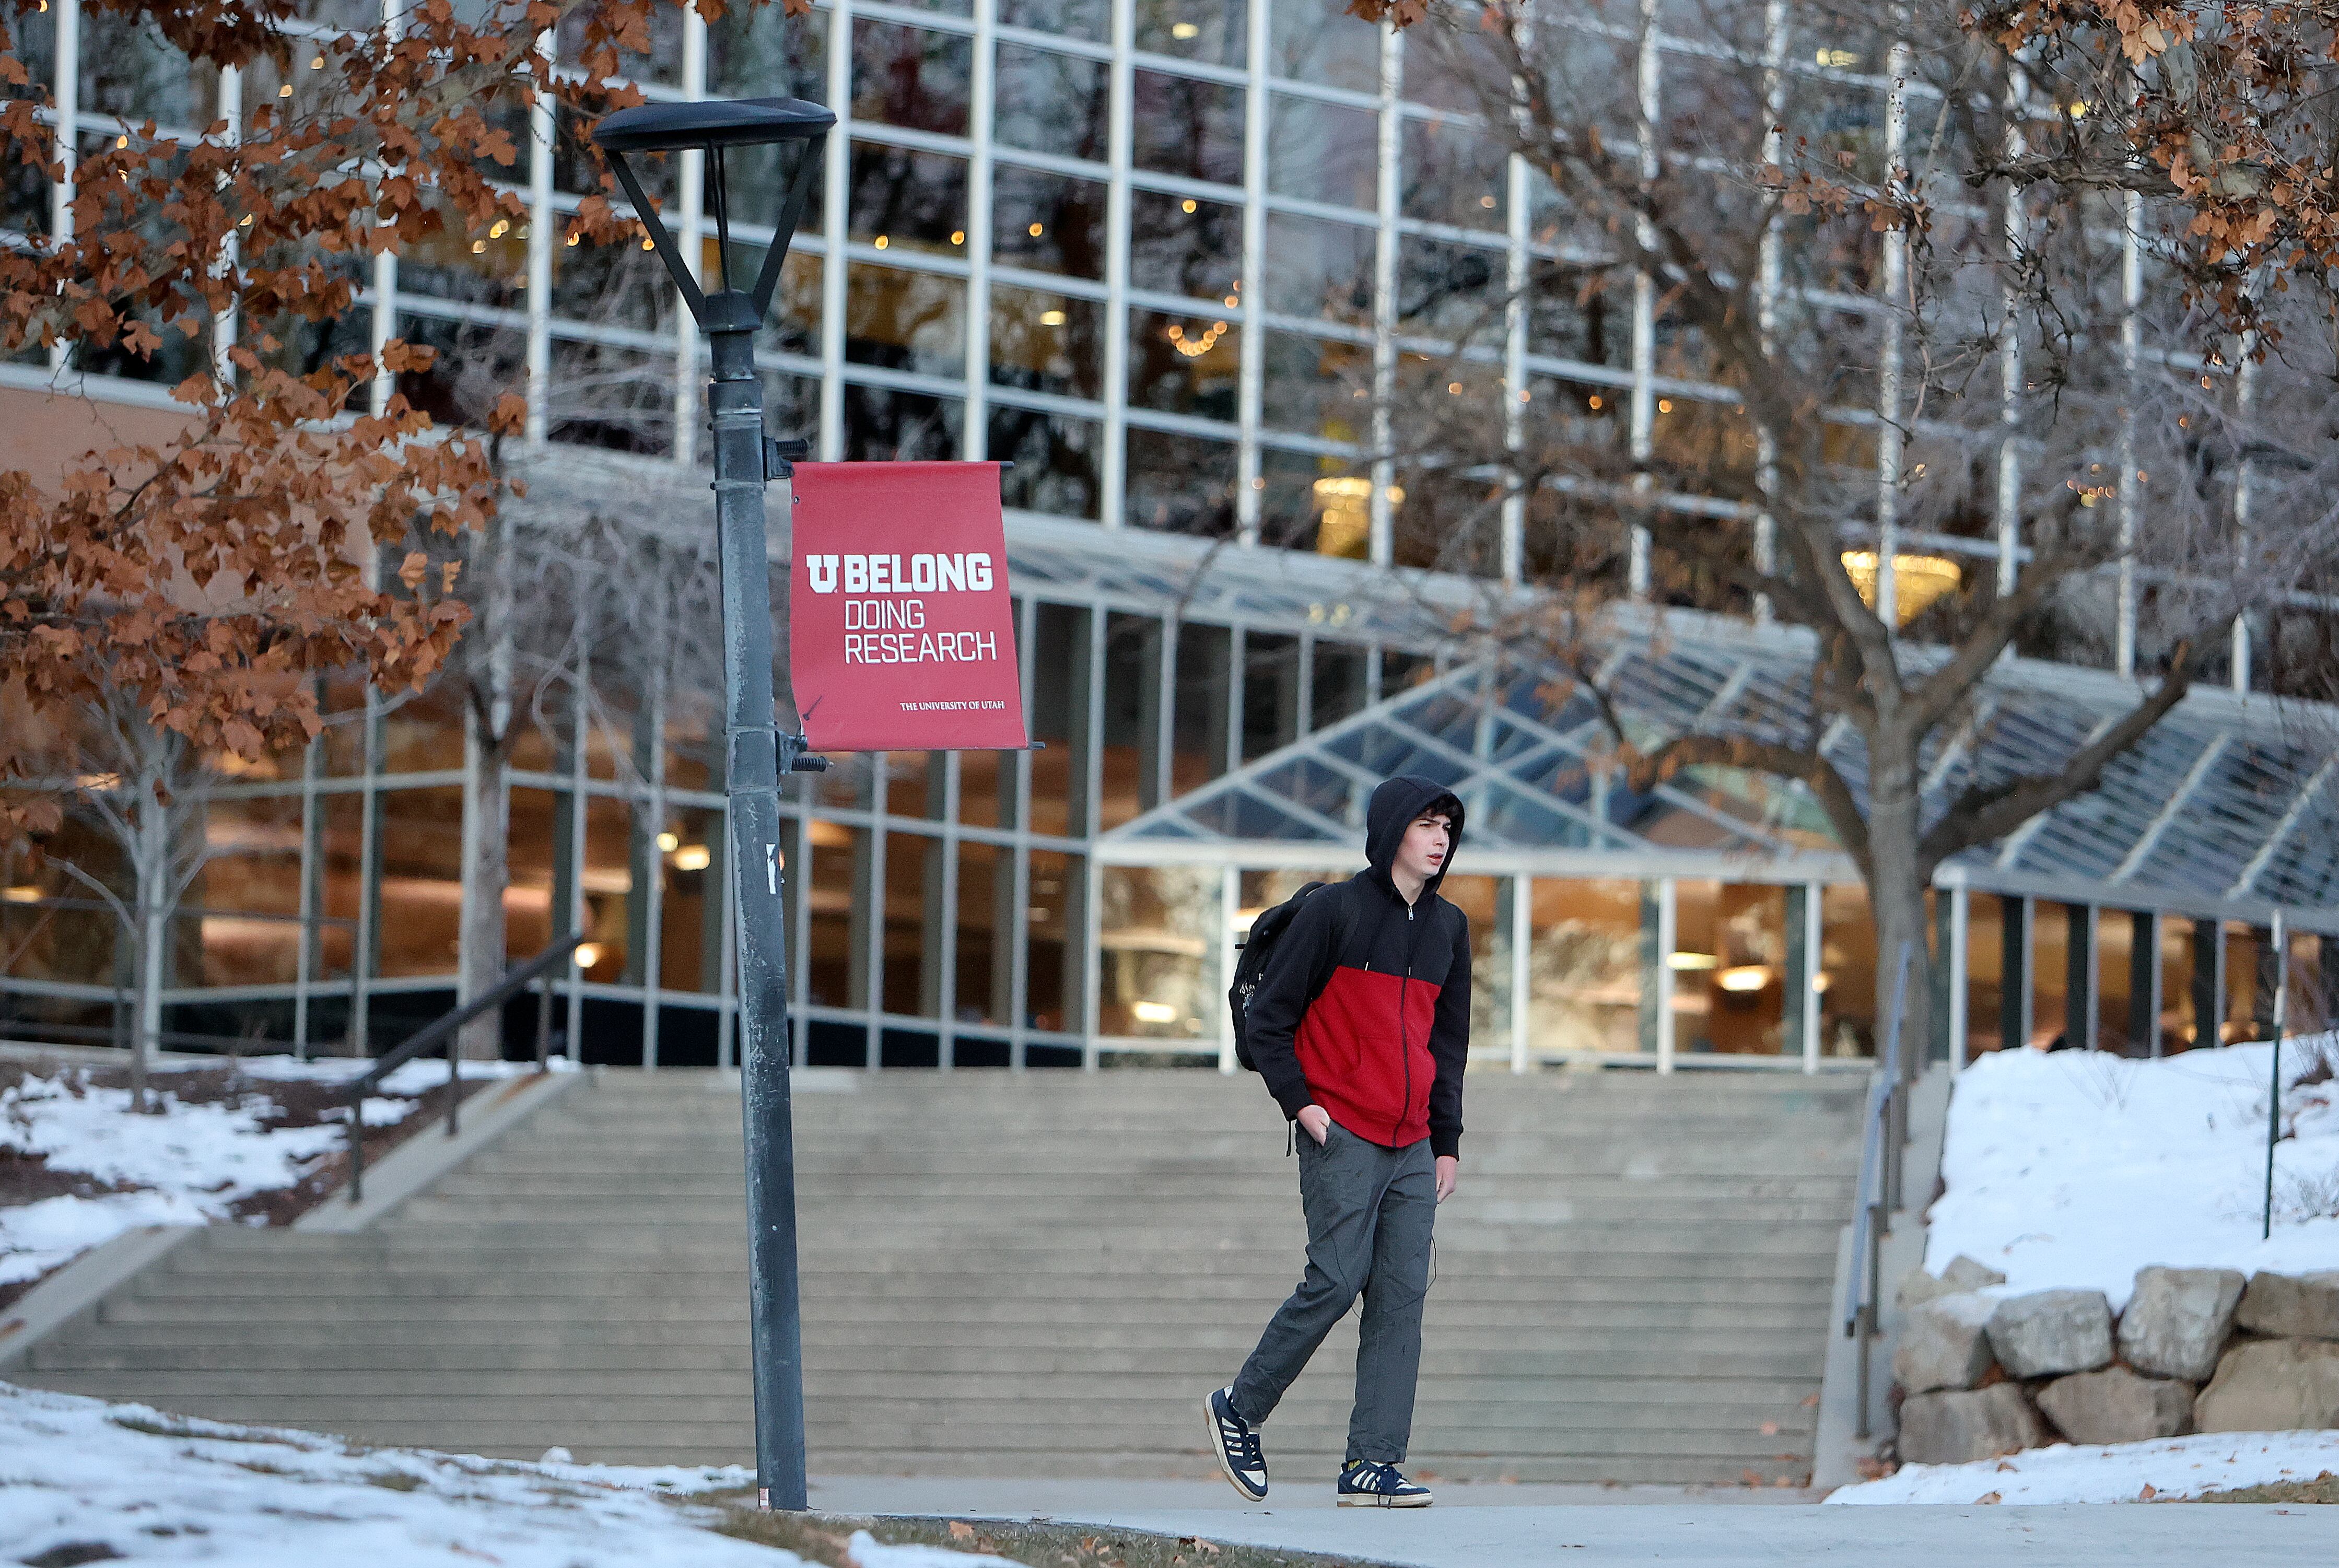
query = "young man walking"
{"x": 1360, "y": 1026}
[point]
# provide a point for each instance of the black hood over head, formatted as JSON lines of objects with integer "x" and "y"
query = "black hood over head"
{"x": 1394, "y": 806}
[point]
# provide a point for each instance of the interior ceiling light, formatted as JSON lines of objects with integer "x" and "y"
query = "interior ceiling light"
{"x": 1182, "y": 31}
{"x": 1693, "y": 961}
{"x": 1744, "y": 977}
{"x": 1052, "y": 317}
{"x": 669, "y": 842}
{"x": 1153, "y": 1012}
{"x": 1188, "y": 204}
{"x": 693, "y": 857}
{"x": 588, "y": 954}
{"x": 1916, "y": 580}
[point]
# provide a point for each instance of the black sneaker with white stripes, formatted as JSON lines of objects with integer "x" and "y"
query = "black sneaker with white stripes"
{"x": 1236, "y": 1443}
{"x": 1367, "y": 1485}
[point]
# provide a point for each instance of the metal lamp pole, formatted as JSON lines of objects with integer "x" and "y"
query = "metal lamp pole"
{"x": 758, "y": 753}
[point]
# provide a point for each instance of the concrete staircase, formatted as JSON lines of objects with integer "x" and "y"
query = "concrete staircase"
{"x": 1036, "y": 1277}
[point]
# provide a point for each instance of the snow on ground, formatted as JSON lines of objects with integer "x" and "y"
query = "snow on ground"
{"x": 155, "y": 1488}
{"x": 2175, "y": 1467}
{"x": 2077, "y": 1168}
{"x": 190, "y": 1164}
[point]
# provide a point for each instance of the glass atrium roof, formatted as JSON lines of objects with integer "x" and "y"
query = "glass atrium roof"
{"x": 2223, "y": 810}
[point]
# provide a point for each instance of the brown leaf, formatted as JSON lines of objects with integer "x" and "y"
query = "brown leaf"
{"x": 1990, "y": 1497}
{"x": 416, "y": 567}
{"x": 961, "y": 1531}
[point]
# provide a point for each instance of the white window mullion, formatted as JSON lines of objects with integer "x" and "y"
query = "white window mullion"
{"x": 1113, "y": 471}
{"x": 66, "y": 92}
{"x": 835, "y": 223}
{"x": 542, "y": 219}
{"x": 1888, "y": 433}
{"x": 690, "y": 221}
{"x": 1382, "y": 536}
{"x": 974, "y": 434}
{"x": 1642, "y": 432}
{"x": 1251, "y": 318}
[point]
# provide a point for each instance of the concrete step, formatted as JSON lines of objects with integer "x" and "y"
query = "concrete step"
{"x": 1036, "y": 1274}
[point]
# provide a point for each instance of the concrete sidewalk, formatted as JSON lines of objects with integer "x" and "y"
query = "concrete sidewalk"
{"x": 1496, "y": 1526}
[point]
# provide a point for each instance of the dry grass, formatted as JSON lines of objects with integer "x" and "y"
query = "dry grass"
{"x": 823, "y": 1537}
{"x": 2324, "y": 1488}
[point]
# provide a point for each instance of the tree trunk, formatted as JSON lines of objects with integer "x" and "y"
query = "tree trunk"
{"x": 487, "y": 803}
{"x": 1895, "y": 899}
{"x": 152, "y": 869}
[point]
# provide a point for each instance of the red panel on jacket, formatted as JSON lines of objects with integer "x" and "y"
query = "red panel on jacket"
{"x": 1365, "y": 1048}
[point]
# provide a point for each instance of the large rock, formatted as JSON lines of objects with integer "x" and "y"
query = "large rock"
{"x": 1944, "y": 1343}
{"x": 2272, "y": 1385}
{"x": 2293, "y": 1305}
{"x": 1958, "y": 1428}
{"x": 2051, "y": 1332}
{"x": 2177, "y": 1322}
{"x": 2116, "y": 1405}
{"x": 1962, "y": 1274}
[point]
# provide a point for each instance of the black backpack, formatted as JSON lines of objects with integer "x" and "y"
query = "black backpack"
{"x": 1264, "y": 933}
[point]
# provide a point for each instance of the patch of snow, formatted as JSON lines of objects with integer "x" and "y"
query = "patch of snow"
{"x": 38, "y": 1236}
{"x": 2077, "y": 1168}
{"x": 214, "y": 1153}
{"x": 426, "y": 1073}
{"x": 2176, "y": 1468}
{"x": 155, "y": 1488}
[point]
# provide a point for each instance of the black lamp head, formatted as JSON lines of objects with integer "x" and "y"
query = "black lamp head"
{"x": 711, "y": 122}
{"x": 711, "y": 125}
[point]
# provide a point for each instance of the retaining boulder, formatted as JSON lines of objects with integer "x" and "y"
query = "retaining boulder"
{"x": 1944, "y": 1343}
{"x": 2272, "y": 1385}
{"x": 2176, "y": 1323}
{"x": 2116, "y": 1405}
{"x": 2292, "y": 1305}
{"x": 1958, "y": 1427}
{"x": 2049, "y": 1333}
{"x": 1963, "y": 1274}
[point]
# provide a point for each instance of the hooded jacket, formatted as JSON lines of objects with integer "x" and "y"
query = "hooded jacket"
{"x": 1363, "y": 1007}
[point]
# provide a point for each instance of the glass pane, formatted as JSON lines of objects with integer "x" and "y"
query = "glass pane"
{"x": 421, "y": 881}
{"x": 1055, "y": 461}
{"x": 1046, "y": 343}
{"x": 1453, "y": 290}
{"x": 915, "y": 954}
{"x": 986, "y": 788}
{"x": 690, "y": 925}
{"x": 1189, "y": 127}
{"x": 1985, "y": 973}
{"x": 911, "y": 77}
{"x": 1050, "y": 102}
{"x": 2179, "y": 1021}
{"x": 1848, "y": 960}
{"x": 609, "y": 954}
{"x": 533, "y": 843}
{"x": 986, "y": 910}
{"x": 1270, "y": 693}
{"x": 1051, "y": 971}
{"x": 883, "y": 425}
{"x": 904, "y": 321}
{"x": 1315, "y": 268}
{"x": 1047, "y": 223}
{"x": 1584, "y": 966}
{"x": 1729, "y": 968}
{"x": 913, "y": 784}
{"x": 1089, "y": 19}
{"x": 1199, "y": 734}
{"x": 422, "y": 731}
{"x": 2050, "y": 974}
{"x": 1180, "y": 484}
{"x": 751, "y": 53}
{"x": 1319, "y": 43}
{"x": 1184, "y": 245}
{"x": 1213, "y": 34}
{"x": 1184, "y": 364}
{"x": 836, "y": 970}
{"x": 254, "y": 868}
{"x": 1059, "y": 720}
{"x": 1453, "y": 174}
{"x": 1337, "y": 688}
{"x": 1324, "y": 152}
{"x": 1318, "y": 386}
{"x": 2115, "y": 973}
{"x": 1132, "y": 717}
{"x": 1157, "y": 952}
{"x": 913, "y": 200}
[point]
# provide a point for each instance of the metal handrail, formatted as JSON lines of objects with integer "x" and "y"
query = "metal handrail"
{"x": 441, "y": 1032}
{"x": 1883, "y": 1142}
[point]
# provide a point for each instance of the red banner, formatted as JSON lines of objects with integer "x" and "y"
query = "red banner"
{"x": 901, "y": 634}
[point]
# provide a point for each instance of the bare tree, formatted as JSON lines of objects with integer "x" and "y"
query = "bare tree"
{"x": 1918, "y": 283}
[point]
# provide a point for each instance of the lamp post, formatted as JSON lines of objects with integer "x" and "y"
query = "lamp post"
{"x": 756, "y": 753}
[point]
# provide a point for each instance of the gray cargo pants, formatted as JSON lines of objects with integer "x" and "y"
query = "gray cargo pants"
{"x": 1369, "y": 1211}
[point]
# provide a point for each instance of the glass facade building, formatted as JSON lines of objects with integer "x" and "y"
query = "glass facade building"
{"x": 1178, "y": 264}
